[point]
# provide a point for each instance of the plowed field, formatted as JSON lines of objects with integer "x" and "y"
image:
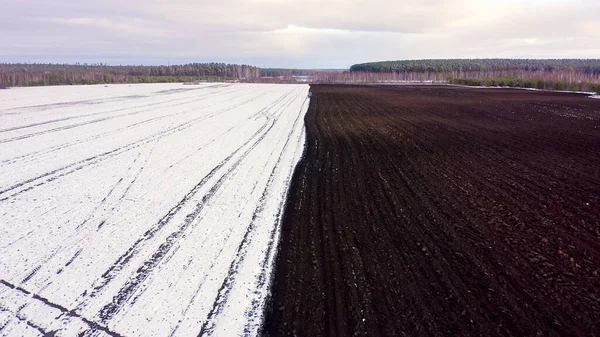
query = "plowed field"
{"x": 442, "y": 211}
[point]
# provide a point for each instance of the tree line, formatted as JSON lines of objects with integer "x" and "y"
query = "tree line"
{"x": 279, "y": 72}
{"x": 539, "y": 80}
{"x": 441, "y": 77}
{"x": 473, "y": 65}
{"x": 57, "y": 74}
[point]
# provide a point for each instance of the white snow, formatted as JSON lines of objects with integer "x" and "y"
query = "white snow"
{"x": 143, "y": 210}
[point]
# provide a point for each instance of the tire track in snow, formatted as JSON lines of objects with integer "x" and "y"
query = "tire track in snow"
{"x": 71, "y": 314}
{"x": 224, "y": 240}
{"x": 114, "y": 187}
{"x": 120, "y": 130}
{"x": 149, "y": 234}
{"x": 16, "y": 318}
{"x": 141, "y": 274}
{"x": 67, "y": 127}
{"x": 42, "y": 107}
{"x": 220, "y": 301}
{"x": 77, "y": 238}
{"x": 60, "y": 172}
{"x": 241, "y": 124}
{"x": 255, "y": 314}
{"x": 285, "y": 105}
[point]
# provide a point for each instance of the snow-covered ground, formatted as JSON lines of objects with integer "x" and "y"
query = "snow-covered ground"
{"x": 143, "y": 210}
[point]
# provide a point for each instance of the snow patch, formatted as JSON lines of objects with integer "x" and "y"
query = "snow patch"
{"x": 143, "y": 210}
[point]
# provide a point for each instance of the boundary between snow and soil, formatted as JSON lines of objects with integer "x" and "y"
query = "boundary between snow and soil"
{"x": 268, "y": 301}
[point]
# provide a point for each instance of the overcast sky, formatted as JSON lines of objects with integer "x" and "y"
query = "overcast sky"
{"x": 294, "y": 33}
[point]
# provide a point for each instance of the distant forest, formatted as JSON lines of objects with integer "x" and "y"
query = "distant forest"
{"x": 277, "y": 72}
{"x": 588, "y": 66}
{"x": 549, "y": 74}
{"x": 565, "y": 74}
{"x": 59, "y": 74}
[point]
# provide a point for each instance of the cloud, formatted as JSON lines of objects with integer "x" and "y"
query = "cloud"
{"x": 294, "y": 33}
{"x": 134, "y": 27}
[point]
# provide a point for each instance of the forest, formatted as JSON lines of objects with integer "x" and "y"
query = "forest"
{"x": 588, "y": 66}
{"x": 276, "y": 72}
{"x": 563, "y": 74}
{"x": 39, "y": 74}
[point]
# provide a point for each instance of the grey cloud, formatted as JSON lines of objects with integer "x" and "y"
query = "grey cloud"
{"x": 294, "y": 33}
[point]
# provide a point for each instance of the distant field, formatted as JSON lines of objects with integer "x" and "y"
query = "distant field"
{"x": 442, "y": 211}
{"x": 142, "y": 210}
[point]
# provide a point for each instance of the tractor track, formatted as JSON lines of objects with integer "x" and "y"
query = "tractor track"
{"x": 127, "y": 209}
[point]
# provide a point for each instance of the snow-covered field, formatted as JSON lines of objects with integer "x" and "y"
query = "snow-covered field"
{"x": 143, "y": 210}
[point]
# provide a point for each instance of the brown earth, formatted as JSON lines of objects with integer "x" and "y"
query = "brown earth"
{"x": 442, "y": 211}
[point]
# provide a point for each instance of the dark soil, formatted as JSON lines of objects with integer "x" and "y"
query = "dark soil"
{"x": 442, "y": 211}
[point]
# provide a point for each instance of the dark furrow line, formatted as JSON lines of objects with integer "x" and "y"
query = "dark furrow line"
{"x": 5, "y": 323}
{"x": 64, "y": 311}
{"x": 435, "y": 211}
{"x": 24, "y": 320}
{"x": 31, "y": 274}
